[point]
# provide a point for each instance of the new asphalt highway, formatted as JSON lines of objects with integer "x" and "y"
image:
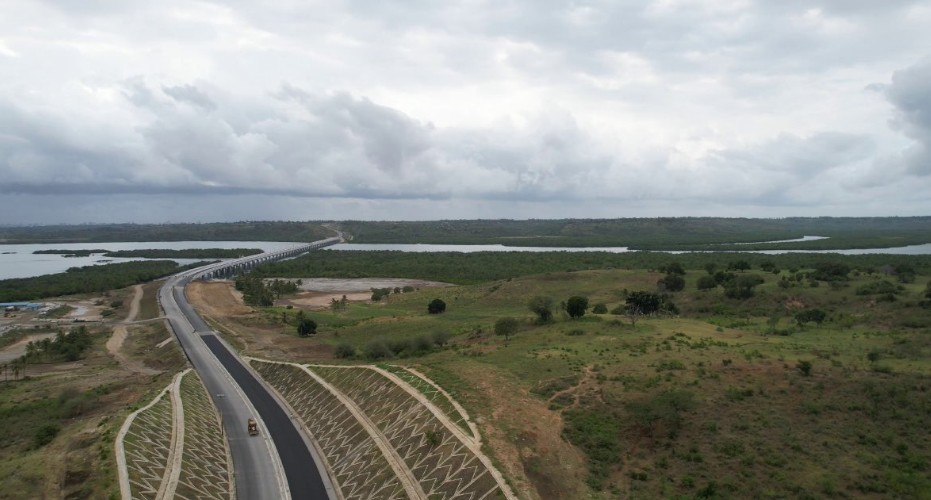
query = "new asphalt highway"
{"x": 277, "y": 464}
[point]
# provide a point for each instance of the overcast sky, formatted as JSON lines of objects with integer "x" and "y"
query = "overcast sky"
{"x": 180, "y": 110}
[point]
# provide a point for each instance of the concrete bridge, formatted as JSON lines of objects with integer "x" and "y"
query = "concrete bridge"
{"x": 231, "y": 268}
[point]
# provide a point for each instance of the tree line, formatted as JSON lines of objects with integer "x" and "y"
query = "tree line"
{"x": 259, "y": 292}
{"x": 659, "y": 233}
{"x": 89, "y": 279}
{"x": 480, "y": 267}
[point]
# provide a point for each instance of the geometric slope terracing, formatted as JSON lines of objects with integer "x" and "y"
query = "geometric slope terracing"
{"x": 382, "y": 438}
{"x": 175, "y": 447}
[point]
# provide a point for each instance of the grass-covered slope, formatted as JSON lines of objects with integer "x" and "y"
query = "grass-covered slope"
{"x": 731, "y": 398}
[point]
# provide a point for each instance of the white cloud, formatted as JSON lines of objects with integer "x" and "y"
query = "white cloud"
{"x": 522, "y": 108}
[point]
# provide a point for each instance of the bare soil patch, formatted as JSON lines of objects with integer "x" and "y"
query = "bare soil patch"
{"x": 319, "y": 300}
{"x": 334, "y": 285}
{"x": 18, "y": 349}
{"x": 257, "y": 334}
{"x": 520, "y": 431}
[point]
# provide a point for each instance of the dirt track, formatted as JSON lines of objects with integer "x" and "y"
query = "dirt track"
{"x": 115, "y": 342}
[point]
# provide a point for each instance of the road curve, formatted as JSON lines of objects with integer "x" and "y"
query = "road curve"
{"x": 238, "y": 395}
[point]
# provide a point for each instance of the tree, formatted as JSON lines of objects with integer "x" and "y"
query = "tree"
{"x": 542, "y": 307}
{"x": 306, "y": 326}
{"x": 742, "y": 286}
{"x": 905, "y": 273}
{"x": 672, "y": 282}
{"x": 673, "y": 268}
{"x": 830, "y": 271}
{"x": 739, "y": 265}
{"x": 600, "y": 309}
{"x": 436, "y": 306}
{"x": 576, "y": 306}
{"x": 644, "y": 303}
{"x": 810, "y": 316}
{"x": 506, "y": 326}
{"x": 707, "y": 282}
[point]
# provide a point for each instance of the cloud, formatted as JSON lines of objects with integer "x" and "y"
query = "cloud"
{"x": 910, "y": 93}
{"x": 466, "y": 108}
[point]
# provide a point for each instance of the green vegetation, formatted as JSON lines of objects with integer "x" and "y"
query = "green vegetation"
{"x": 225, "y": 231}
{"x": 70, "y": 253}
{"x": 64, "y": 347}
{"x": 305, "y": 326}
{"x": 714, "y": 396}
{"x": 188, "y": 253}
{"x": 576, "y": 306}
{"x": 506, "y": 326}
{"x": 481, "y": 267}
{"x": 682, "y": 233}
{"x": 259, "y": 292}
{"x": 59, "y": 312}
{"x": 436, "y": 306}
{"x": 88, "y": 279}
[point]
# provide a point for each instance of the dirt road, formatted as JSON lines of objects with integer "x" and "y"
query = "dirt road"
{"x": 115, "y": 342}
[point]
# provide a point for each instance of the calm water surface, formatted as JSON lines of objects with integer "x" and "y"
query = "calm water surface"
{"x": 909, "y": 250}
{"x": 18, "y": 261}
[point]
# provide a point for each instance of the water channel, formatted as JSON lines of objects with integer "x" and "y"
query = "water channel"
{"x": 19, "y": 261}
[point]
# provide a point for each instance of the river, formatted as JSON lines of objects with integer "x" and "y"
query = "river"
{"x": 19, "y": 261}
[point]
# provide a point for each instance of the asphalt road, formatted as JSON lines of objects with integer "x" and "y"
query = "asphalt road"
{"x": 229, "y": 384}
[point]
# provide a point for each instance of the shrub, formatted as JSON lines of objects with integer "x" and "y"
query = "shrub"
{"x": 440, "y": 338}
{"x": 436, "y": 306}
{"x": 600, "y": 309}
{"x": 377, "y": 350}
{"x": 597, "y": 433}
{"x": 44, "y": 435}
{"x": 877, "y": 288}
{"x": 830, "y": 271}
{"x": 422, "y": 343}
{"x": 344, "y": 351}
{"x": 804, "y": 367}
{"x": 809, "y": 316}
{"x": 707, "y": 282}
{"x": 742, "y": 286}
{"x": 306, "y": 326}
{"x": 542, "y": 307}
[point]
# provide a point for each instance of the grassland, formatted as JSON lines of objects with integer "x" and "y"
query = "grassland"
{"x": 60, "y": 418}
{"x": 713, "y": 402}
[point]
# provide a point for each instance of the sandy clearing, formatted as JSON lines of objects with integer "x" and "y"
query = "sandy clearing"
{"x": 323, "y": 300}
{"x": 18, "y": 349}
{"x": 334, "y": 285}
